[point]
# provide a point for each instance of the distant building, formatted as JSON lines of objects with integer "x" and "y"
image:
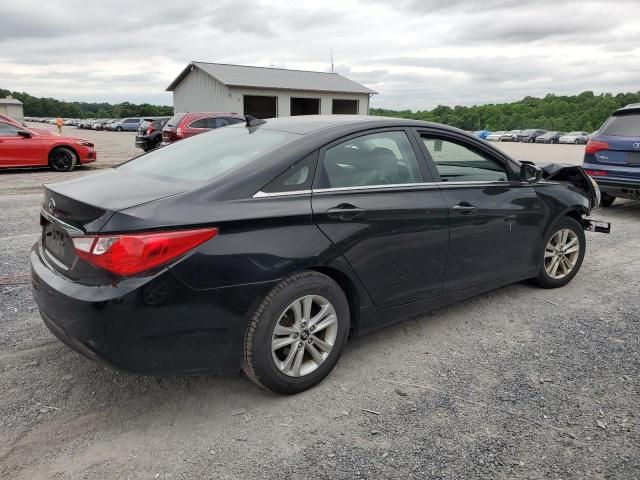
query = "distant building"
{"x": 12, "y": 107}
{"x": 266, "y": 92}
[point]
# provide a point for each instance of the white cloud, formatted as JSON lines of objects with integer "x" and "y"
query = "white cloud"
{"x": 416, "y": 53}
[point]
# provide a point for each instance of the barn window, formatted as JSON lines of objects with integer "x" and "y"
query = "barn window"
{"x": 260, "y": 106}
{"x": 348, "y": 107}
{"x": 305, "y": 106}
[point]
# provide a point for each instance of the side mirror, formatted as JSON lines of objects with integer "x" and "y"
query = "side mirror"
{"x": 24, "y": 133}
{"x": 530, "y": 173}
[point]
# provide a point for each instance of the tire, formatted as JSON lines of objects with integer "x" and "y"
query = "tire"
{"x": 546, "y": 277}
{"x": 576, "y": 141}
{"x": 277, "y": 309}
{"x": 62, "y": 159}
{"x": 118, "y": 129}
{"x": 607, "y": 200}
{"x": 531, "y": 140}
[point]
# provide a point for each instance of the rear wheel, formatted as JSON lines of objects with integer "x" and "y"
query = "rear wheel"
{"x": 563, "y": 253}
{"x": 576, "y": 141}
{"x": 531, "y": 140}
{"x": 297, "y": 334}
{"x": 607, "y": 200}
{"x": 62, "y": 159}
{"x": 118, "y": 129}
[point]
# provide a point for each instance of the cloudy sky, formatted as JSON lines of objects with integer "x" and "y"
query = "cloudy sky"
{"x": 416, "y": 53}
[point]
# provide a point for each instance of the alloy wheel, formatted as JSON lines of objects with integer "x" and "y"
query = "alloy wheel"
{"x": 561, "y": 253}
{"x": 304, "y": 335}
{"x": 61, "y": 159}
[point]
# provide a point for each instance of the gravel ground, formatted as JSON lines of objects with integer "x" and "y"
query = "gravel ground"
{"x": 518, "y": 383}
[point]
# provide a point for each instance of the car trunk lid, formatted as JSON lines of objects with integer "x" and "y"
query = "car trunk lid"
{"x": 84, "y": 205}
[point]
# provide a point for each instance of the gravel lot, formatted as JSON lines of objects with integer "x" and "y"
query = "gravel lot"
{"x": 518, "y": 383}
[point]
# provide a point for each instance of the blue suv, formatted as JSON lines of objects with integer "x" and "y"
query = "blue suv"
{"x": 612, "y": 155}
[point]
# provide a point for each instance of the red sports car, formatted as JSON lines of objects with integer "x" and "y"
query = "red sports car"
{"x": 30, "y": 147}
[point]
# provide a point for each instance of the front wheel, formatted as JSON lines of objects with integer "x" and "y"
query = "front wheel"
{"x": 563, "y": 253}
{"x": 62, "y": 159}
{"x": 297, "y": 334}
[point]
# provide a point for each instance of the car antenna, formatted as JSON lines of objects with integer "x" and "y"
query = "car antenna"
{"x": 253, "y": 121}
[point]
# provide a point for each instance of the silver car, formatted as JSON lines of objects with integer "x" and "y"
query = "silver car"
{"x": 577, "y": 138}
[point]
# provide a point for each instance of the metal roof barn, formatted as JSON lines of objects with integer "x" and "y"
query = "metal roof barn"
{"x": 12, "y": 107}
{"x": 265, "y": 92}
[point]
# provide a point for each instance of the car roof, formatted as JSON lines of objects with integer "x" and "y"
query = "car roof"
{"x": 304, "y": 124}
{"x": 631, "y": 108}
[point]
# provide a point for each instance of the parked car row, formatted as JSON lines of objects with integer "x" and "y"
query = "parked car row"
{"x": 129, "y": 124}
{"x": 533, "y": 135}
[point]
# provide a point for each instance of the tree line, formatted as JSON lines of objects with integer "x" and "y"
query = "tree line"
{"x": 50, "y": 107}
{"x": 585, "y": 111}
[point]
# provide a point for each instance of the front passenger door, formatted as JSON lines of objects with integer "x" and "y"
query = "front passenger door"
{"x": 495, "y": 219}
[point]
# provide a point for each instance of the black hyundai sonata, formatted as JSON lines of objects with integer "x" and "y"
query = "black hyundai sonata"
{"x": 265, "y": 245}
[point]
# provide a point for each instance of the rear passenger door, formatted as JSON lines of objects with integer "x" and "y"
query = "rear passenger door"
{"x": 495, "y": 219}
{"x": 372, "y": 198}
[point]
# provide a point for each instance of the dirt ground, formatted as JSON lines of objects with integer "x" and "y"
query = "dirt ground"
{"x": 517, "y": 383}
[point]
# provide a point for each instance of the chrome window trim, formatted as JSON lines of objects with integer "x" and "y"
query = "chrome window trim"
{"x": 262, "y": 194}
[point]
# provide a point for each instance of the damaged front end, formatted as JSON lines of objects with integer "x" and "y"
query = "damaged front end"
{"x": 576, "y": 176}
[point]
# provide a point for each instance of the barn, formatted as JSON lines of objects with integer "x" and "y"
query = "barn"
{"x": 11, "y": 107}
{"x": 265, "y": 92}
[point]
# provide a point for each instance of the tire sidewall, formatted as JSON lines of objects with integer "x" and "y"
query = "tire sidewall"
{"x": 564, "y": 223}
{"x": 74, "y": 160}
{"x": 263, "y": 366}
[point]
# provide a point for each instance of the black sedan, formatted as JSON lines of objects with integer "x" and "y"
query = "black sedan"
{"x": 266, "y": 245}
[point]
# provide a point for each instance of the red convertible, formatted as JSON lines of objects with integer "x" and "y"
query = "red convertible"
{"x": 34, "y": 147}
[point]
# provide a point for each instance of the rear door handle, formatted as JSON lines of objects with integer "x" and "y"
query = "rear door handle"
{"x": 464, "y": 208}
{"x": 345, "y": 211}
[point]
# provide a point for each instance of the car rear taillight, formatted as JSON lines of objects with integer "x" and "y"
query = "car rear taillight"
{"x": 595, "y": 173}
{"x": 179, "y": 132}
{"x": 594, "y": 146}
{"x": 132, "y": 253}
{"x": 150, "y": 130}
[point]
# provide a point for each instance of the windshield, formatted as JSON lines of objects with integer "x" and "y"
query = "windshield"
{"x": 210, "y": 155}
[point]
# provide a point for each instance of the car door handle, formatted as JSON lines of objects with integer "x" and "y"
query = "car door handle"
{"x": 464, "y": 208}
{"x": 345, "y": 211}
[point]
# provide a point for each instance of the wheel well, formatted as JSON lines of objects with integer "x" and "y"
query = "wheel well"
{"x": 576, "y": 215}
{"x": 349, "y": 290}
{"x": 68, "y": 147}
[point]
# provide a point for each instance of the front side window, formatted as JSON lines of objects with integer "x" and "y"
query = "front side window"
{"x": 210, "y": 155}
{"x": 7, "y": 130}
{"x": 384, "y": 158}
{"x": 457, "y": 163}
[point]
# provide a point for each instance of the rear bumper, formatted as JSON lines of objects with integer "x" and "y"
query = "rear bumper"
{"x": 143, "y": 142}
{"x": 619, "y": 187}
{"x": 153, "y": 325}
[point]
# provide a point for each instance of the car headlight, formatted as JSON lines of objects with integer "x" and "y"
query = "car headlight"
{"x": 596, "y": 188}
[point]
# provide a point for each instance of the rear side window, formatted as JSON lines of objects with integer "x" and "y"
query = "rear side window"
{"x": 296, "y": 178}
{"x": 384, "y": 158}
{"x": 211, "y": 155}
{"x": 201, "y": 123}
{"x": 175, "y": 120}
{"x": 622, "y": 126}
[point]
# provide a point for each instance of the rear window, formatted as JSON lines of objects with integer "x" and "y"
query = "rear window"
{"x": 622, "y": 126}
{"x": 211, "y": 155}
{"x": 175, "y": 120}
